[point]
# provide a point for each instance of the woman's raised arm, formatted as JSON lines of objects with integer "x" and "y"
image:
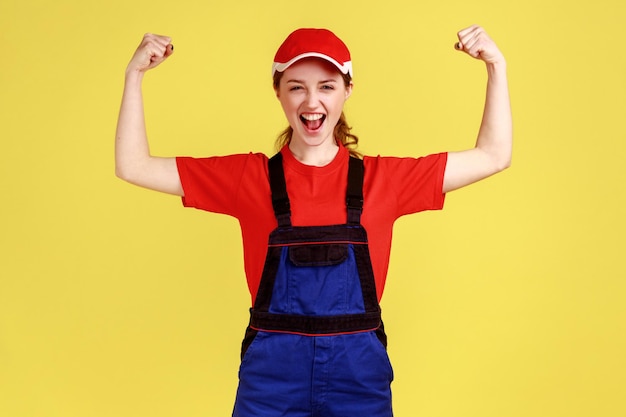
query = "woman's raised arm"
{"x": 493, "y": 149}
{"x": 133, "y": 162}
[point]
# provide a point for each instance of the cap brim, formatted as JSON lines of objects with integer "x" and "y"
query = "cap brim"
{"x": 345, "y": 68}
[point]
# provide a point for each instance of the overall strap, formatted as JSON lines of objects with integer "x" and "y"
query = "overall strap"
{"x": 354, "y": 193}
{"x": 280, "y": 198}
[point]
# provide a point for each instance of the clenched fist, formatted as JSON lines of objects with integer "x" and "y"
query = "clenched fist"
{"x": 475, "y": 42}
{"x": 152, "y": 50}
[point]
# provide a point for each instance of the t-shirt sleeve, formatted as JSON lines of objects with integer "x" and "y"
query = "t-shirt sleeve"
{"x": 212, "y": 184}
{"x": 416, "y": 183}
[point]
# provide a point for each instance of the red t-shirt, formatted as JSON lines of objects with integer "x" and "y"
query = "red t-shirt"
{"x": 238, "y": 185}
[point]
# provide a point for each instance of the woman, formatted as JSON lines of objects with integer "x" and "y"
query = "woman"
{"x": 316, "y": 222}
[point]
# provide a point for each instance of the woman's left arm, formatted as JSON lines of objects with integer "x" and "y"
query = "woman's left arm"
{"x": 492, "y": 152}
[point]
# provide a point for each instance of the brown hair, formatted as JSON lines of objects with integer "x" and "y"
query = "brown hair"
{"x": 342, "y": 130}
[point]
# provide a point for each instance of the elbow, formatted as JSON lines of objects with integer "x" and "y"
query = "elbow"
{"x": 120, "y": 172}
{"x": 123, "y": 173}
{"x": 503, "y": 164}
{"x": 500, "y": 159}
{"x": 121, "y": 165}
{"x": 495, "y": 163}
{"x": 129, "y": 169}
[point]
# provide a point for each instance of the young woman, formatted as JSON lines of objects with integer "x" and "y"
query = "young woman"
{"x": 316, "y": 222}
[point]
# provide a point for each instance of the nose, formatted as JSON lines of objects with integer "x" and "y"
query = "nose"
{"x": 312, "y": 99}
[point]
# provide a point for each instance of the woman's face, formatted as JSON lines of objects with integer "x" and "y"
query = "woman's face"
{"x": 312, "y": 93}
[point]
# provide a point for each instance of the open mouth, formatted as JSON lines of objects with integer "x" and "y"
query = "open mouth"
{"x": 313, "y": 121}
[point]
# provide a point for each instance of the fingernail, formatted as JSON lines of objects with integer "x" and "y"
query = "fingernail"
{"x": 457, "y": 46}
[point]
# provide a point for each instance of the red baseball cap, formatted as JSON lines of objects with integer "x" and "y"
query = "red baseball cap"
{"x": 320, "y": 43}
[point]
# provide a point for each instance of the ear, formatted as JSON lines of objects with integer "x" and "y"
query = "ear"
{"x": 349, "y": 90}
{"x": 277, "y": 92}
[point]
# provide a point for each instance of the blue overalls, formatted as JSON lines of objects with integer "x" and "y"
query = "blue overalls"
{"x": 315, "y": 345}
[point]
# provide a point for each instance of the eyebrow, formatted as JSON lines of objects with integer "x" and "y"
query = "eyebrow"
{"x": 321, "y": 82}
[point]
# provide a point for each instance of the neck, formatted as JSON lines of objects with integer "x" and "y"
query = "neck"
{"x": 314, "y": 155}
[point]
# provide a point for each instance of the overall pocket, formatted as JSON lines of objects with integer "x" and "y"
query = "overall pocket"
{"x": 318, "y": 255}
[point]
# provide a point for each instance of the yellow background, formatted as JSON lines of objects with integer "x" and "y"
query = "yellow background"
{"x": 115, "y": 301}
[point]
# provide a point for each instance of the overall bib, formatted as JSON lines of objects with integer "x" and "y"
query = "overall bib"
{"x": 315, "y": 345}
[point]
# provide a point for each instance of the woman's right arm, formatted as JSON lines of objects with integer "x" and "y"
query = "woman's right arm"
{"x": 133, "y": 162}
